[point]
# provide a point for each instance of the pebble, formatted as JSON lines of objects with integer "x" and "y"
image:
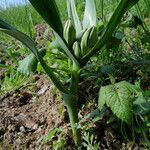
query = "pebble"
{"x": 22, "y": 129}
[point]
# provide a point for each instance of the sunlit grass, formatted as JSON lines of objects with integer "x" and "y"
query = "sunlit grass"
{"x": 18, "y": 16}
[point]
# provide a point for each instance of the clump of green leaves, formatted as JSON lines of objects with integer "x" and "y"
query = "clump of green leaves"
{"x": 12, "y": 81}
{"x": 55, "y": 137}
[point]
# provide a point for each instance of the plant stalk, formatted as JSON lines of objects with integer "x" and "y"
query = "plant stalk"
{"x": 73, "y": 116}
{"x": 71, "y": 102}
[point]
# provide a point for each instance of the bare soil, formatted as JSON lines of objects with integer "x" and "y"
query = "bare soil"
{"x": 31, "y": 112}
{"x": 26, "y": 116}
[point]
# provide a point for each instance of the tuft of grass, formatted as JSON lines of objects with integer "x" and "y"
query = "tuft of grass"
{"x": 12, "y": 81}
{"x": 18, "y": 17}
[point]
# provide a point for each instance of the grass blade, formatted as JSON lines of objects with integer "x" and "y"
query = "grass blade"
{"x": 66, "y": 49}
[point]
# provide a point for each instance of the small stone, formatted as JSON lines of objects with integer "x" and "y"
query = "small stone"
{"x": 22, "y": 129}
{"x": 35, "y": 127}
{"x": 42, "y": 90}
{"x": 39, "y": 130}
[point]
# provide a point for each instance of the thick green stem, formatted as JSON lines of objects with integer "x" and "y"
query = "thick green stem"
{"x": 71, "y": 102}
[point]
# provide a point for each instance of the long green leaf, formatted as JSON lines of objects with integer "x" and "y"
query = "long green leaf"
{"x": 66, "y": 49}
{"x": 123, "y": 6}
{"x": 69, "y": 10}
{"x": 6, "y": 28}
{"x": 49, "y": 12}
{"x": 90, "y": 16}
{"x": 74, "y": 16}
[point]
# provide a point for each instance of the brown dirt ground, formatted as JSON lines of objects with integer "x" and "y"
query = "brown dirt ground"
{"x": 32, "y": 111}
{"x": 25, "y": 117}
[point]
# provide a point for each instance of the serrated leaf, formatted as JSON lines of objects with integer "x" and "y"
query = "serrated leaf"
{"x": 28, "y": 65}
{"x": 119, "y": 97}
{"x": 142, "y": 108}
{"x": 90, "y": 16}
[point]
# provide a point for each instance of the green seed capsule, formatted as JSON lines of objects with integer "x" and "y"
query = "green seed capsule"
{"x": 77, "y": 50}
{"x": 89, "y": 39}
{"x": 69, "y": 32}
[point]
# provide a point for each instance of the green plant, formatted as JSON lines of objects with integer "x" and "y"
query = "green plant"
{"x": 78, "y": 58}
{"x": 55, "y": 136}
{"x": 89, "y": 142}
{"x": 12, "y": 81}
{"x": 119, "y": 97}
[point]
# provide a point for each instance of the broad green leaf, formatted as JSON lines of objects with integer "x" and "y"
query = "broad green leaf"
{"x": 49, "y": 12}
{"x": 29, "y": 64}
{"x": 123, "y": 6}
{"x": 6, "y": 28}
{"x": 74, "y": 16}
{"x": 90, "y": 16}
{"x": 142, "y": 108}
{"x": 119, "y": 97}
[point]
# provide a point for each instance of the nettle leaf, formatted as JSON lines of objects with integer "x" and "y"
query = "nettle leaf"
{"x": 29, "y": 64}
{"x": 119, "y": 97}
{"x": 90, "y": 16}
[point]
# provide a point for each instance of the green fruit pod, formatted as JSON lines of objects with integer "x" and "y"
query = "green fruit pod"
{"x": 69, "y": 32}
{"x": 89, "y": 39}
{"x": 77, "y": 50}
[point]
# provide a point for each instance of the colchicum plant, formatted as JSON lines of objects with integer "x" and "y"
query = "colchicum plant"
{"x": 79, "y": 42}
